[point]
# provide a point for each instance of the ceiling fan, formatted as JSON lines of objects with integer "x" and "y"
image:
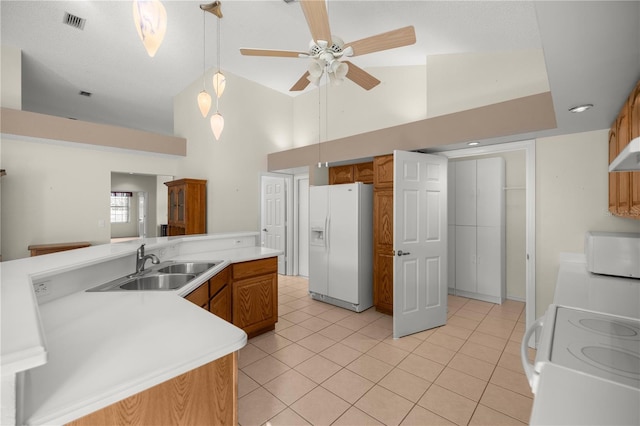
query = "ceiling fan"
{"x": 327, "y": 51}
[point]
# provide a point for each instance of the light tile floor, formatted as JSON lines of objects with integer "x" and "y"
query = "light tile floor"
{"x": 326, "y": 365}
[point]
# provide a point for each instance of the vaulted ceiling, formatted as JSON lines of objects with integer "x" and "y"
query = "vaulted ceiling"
{"x": 591, "y": 49}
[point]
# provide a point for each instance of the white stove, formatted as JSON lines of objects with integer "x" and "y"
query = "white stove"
{"x": 602, "y": 345}
{"x": 587, "y": 366}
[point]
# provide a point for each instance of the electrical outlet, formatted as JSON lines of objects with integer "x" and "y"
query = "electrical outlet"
{"x": 42, "y": 288}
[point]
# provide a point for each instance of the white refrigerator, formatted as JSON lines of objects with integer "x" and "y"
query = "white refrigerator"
{"x": 341, "y": 245}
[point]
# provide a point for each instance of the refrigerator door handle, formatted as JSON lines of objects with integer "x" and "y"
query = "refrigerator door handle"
{"x": 327, "y": 240}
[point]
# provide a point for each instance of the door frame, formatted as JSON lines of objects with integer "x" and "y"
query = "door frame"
{"x": 288, "y": 213}
{"x": 296, "y": 220}
{"x": 529, "y": 147}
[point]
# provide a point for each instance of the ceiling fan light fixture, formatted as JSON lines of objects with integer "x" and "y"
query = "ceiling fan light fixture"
{"x": 316, "y": 68}
{"x": 150, "y": 18}
{"x": 217, "y": 125}
{"x": 219, "y": 83}
{"x": 204, "y": 103}
{"x": 339, "y": 69}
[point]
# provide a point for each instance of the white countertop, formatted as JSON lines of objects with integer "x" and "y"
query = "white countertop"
{"x": 105, "y": 346}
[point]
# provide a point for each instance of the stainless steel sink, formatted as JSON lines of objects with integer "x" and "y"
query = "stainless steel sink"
{"x": 158, "y": 282}
{"x": 169, "y": 275}
{"x": 187, "y": 268}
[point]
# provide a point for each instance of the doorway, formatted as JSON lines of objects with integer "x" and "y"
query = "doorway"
{"x": 527, "y": 192}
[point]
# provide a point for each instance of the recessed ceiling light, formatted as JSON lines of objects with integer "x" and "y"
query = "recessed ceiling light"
{"x": 473, "y": 143}
{"x": 580, "y": 108}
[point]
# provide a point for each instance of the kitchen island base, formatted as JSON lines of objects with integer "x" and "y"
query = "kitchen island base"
{"x": 205, "y": 395}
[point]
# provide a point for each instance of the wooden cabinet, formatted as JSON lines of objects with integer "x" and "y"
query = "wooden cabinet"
{"x": 624, "y": 187}
{"x": 207, "y": 395}
{"x": 220, "y": 291}
{"x": 254, "y": 295}
{"x": 361, "y": 172}
{"x": 244, "y": 294}
{"x": 383, "y": 233}
{"x": 214, "y": 295}
{"x": 187, "y": 207}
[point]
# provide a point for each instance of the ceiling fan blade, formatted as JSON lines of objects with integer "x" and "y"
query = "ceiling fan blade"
{"x": 301, "y": 84}
{"x": 361, "y": 77}
{"x": 317, "y": 19}
{"x": 385, "y": 41}
{"x": 269, "y": 52}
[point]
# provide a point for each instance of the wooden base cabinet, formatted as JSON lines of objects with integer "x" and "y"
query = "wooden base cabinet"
{"x": 207, "y": 395}
{"x": 254, "y": 295}
{"x": 214, "y": 295}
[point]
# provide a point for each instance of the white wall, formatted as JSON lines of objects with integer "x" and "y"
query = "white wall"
{"x": 59, "y": 192}
{"x": 257, "y": 122}
{"x": 571, "y": 199}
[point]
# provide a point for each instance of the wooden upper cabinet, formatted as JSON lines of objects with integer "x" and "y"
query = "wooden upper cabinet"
{"x": 361, "y": 172}
{"x": 383, "y": 171}
{"x": 624, "y": 187}
{"x": 187, "y": 207}
{"x": 341, "y": 174}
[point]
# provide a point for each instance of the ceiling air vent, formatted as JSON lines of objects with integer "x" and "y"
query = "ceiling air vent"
{"x": 74, "y": 21}
{"x": 87, "y": 94}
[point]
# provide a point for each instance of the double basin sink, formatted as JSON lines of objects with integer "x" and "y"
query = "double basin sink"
{"x": 169, "y": 275}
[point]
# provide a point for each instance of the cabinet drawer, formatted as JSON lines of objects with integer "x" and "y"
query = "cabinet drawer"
{"x": 255, "y": 267}
{"x": 199, "y": 296}
{"x": 218, "y": 281}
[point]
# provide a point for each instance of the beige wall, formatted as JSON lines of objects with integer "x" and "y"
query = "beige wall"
{"x": 571, "y": 199}
{"x": 11, "y": 77}
{"x": 257, "y": 121}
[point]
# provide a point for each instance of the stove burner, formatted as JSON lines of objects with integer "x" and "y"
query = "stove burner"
{"x": 609, "y": 327}
{"x": 614, "y": 359}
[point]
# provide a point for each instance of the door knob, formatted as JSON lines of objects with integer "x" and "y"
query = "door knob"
{"x": 403, "y": 253}
{"x": 265, "y": 230}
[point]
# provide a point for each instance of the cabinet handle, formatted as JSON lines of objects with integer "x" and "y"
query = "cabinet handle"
{"x": 403, "y": 253}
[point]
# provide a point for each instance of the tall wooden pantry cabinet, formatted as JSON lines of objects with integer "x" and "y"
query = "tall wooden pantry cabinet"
{"x": 477, "y": 229}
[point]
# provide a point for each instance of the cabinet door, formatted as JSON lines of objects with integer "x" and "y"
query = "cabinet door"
{"x": 624, "y": 178}
{"x": 383, "y": 250}
{"x": 489, "y": 261}
{"x": 466, "y": 258}
{"x": 200, "y": 296}
{"x": 383, "y": 171}
{"x": 181, "y": 204}
{"x": 173, "y": 205}
{"x": 490, "y": 191}
{"x": 363, "y": 172}
{"x": 613, "y": 176}
{"x": 466, "y": 192}
{"x": 451, "y": 253}
{"x": 255, "y": 303}
{"x": 341, "y": 174}
{"x": 220, "y": 304}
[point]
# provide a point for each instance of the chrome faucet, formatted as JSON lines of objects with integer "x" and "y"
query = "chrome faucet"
{"x": 141, "y": 259}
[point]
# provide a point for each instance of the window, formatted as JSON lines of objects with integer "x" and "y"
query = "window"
{"x": 120, "y": 207}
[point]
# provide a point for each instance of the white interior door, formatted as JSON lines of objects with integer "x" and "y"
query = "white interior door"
{"x": 419, "y": 242}
{"x": 273, "y": 221}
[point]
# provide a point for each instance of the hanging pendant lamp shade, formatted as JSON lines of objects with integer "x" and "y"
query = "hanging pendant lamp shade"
{"x": 219, "y": 83}
{"x": 150, "y": 18}
{"x": 217, "y": 125}
{"x": 204, "y": 103}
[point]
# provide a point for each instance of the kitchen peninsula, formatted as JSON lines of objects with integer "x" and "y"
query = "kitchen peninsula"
{"x": 68, "y": 353}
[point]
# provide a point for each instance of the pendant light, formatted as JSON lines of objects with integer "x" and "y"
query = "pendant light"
{"x": 219, "y": 81}
{"x": 150, "y": 18}
{"x": 204, "y": 98}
